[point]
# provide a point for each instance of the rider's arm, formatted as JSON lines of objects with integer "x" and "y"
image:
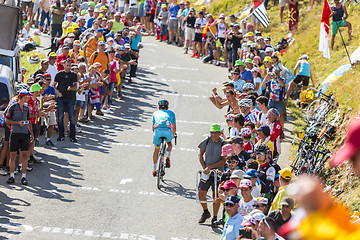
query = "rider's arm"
{"x": 174, "y": 129}
{"x": 201, "y": 158}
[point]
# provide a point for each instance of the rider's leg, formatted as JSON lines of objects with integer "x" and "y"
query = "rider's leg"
{"x": 155, "y": 157}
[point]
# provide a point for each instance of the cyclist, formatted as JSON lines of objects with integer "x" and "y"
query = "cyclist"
{"x": 163, "y": 125}
{"x": 266, "y": 171}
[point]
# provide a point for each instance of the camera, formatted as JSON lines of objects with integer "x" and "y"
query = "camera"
{"x": 245, "y": 234}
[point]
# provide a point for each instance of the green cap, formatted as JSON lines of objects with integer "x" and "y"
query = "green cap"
{"x": 248, "y": 60}
{"x": 92, "y": 4}
{"x": 215, "y": 128}
{"x": 239, "y": 63}
{"x": 36, "y": 87}
{"x": 83, "y": 12}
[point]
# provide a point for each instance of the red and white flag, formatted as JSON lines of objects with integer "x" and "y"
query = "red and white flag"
{"x": 324, "y": 30}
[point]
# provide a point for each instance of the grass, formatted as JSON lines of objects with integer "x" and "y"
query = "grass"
{"x": 32, "y": 68}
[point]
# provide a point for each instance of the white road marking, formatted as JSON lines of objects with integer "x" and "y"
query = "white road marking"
{"x": 15, "y": 229}
{"x": 148, "y": 146}
{"x": 126, "y": 180}
{"x": 165, "y": 65}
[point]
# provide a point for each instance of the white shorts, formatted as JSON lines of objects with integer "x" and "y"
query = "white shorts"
{"x": 282, "y": 3}
{"x": 36, "y": 7}
{"x": 50, "y": 119}
{"x": 190, "y": 33}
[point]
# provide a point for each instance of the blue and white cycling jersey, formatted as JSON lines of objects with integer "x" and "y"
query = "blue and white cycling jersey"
{"x": 163, "y": 119}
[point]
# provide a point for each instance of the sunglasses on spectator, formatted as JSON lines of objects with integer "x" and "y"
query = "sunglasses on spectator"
{"x": 260, "y": 153}
{"x": 229, "y": 205}
{"x": 235, "y": 74}
{"x": 256, "y": 206}
{"x": 266, "y": 62}
{"x": 232, "y": 161}
{"x": 246, "y": 90}
{"x": 52, "y": 57}
{"x": 227, "y": 189}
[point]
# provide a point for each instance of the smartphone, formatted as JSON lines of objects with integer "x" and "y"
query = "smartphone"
{"x": 25, "y": 122}
{"x": 245, "y": 234}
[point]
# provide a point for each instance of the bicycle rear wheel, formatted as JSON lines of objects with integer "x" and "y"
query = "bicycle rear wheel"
{"x": 161, "y": 169}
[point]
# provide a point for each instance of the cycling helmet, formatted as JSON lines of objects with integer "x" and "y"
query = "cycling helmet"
{"x": 262, "y": 148}
{"x": 22, "y": 86}
{"x": 163, "y": 104}
{"x": 245, "y": 102}
{"x": 248, "y": 85}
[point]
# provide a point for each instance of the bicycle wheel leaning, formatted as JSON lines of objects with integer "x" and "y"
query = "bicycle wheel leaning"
{"x": 161, "y": 165}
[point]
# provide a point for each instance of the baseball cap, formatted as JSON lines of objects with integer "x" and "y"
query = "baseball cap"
{"x": 77, "y": 43}
{"x": 103, "y": 8}
{"x": 236, "y": 139}
{"x": 350, "y": 147}
{"x": 30, "y": 81}
{"x": 127, "y": 45}
{"x": 239, "y": 63}
{"x": 267, "y": 50}
{"x": 44, "y": 61}
{"x": 71, "y": 35}
{"x": 249, "y": 34}
{"x": 109, "y": 39}
{"x": 91, "y": 9}
{"x": 285, "y": 173}
{"x": 23, "y": 93}
{"x": 69, "y": 14}
{"x": 228, "y": 184}
{"x": 288, "y": 201}
{"x": 24, "y": 69}
{"x": 117, "y": 14}
{"x": 214, "y": 127}
{"x": 83, "y": 12}
{"x": 267, "y": 39}
{"x": 267, "y": 59}
{"x": 251, "y": 173}
{"x": 245, "y": 183}
{"x": 248, "y": 221}
{"x": 101, "y": 43}
{"x": 263, "y": 200}
{"x": 75, "y": 26}
{"x": 245, "y": 132}
{"x": 257, "y": 214}
{"x": 100, "y": 30}
{"x": 47, "y": 75}
{"x": 163, "y": 6}
{"x": 92, "y": 4}
{"x": 35, "y": 87}
{"x": 255, "y": 69}
{"x": 52, "y": 54}
{"x": 222, "y": 15}
{"x": 265, "y": 129}
{"x": 274, "y": 112}
{"x": 181, "y": 3}
{"x": 70, "y": 30}
{"x": 232, "y": 199}
{"x": 65, "y": 46}
{"x": 237, "y": 174}
{"x": 226, "y": 150}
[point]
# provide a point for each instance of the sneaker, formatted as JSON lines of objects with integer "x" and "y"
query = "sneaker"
{"x": 3, "y": 172}
{"x": 33, "y": 161}
{"x": 100, "y": 113}
{"x": 24, "y": 181}
{"x": 217, "y": 63}
{"x": 204, "y": 216}
{"x": 108, "y": 110}
{"x": 74, "y": 140}
{"x": 167, "y": 162}
{"x": 185, "y": 51}
{"x": 59, "y": 139}
{"x": 197, "y": 55}
{"x": 83, "y": 119}
{"x": 194, "y": 55}
{"x": 154, "y": 173}
{"x": 77, "y": 130}
{"x": 29, "y": 169}
{"x": 220, "y": 222}
{"x": 50, "y": 143}
{"x": 213, "y": 222}
{"x": 37, "y": 158}
{"x": 10, "y": 180}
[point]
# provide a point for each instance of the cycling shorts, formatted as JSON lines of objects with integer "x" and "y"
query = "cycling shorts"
{"x": 303, "y": 79}
{"x": 159, "y": 133}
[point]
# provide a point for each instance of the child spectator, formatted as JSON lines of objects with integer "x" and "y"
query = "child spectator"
{"x": 163, "y": 16}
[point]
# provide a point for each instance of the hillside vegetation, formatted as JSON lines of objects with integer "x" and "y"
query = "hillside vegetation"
{"x": 344, "y": 184}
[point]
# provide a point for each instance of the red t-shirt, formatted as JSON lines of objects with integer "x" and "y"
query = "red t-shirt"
{"x": 34, "y": 107}
{"x": 249, "y": 147}
{"x": 59, "y": 59}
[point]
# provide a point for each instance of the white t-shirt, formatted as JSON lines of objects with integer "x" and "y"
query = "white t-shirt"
{"x": 255, "y": 193}
{"x": 234, "y": 132}
{"x": 53, "y": 71}
{"x": 258, "y": 80}
{"x": 262, "y": 119}
{"x": 246, "y": 207}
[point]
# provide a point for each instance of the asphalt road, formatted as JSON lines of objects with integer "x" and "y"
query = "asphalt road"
{"x": 102, "y": 187}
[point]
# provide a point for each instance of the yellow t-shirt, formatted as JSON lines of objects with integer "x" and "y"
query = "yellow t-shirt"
{"x": 63, "y": 27}
{"x": 80, "y": 53}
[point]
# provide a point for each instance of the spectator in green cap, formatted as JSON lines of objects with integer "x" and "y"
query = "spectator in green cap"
{"x": 245, "y": 74}
{"x": 210, "y": 158}
{"x": 249, "y": 64}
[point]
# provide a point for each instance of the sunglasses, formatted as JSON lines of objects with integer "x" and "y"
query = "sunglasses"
{"x": 232, "y": 161}
{"x": 229, "y": 205}
{"x": 52, "y": 57}
{"x": 260, "y": 153}
{"x": 235, "y": 74}
{"x": 246, "y": 90}
{"x": 256, "y": 206}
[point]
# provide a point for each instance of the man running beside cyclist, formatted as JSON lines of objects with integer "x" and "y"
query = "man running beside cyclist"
{"x": 163, "y": 126}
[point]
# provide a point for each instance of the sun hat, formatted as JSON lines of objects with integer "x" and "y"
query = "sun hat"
{"x": 248, "y": 60}
{"x": 304, "y": 56}
{"x": 52, "y": 54}
{"x": 267, "y": 59}
{"x": 287, "y": 201}
{"x": 226, "y": 150}
{"x": 92, "y": 4}
{"x": 239, "y": 63}
{"x": 274, "y": 112}
{"x": 215, "y": 128}
{"x": 35, "y": 87}
{"x": 77, "y": 43}
{"x": 237, "y": 174}
{"x": 248, "y": 221}
{"x": 222, "y": 15}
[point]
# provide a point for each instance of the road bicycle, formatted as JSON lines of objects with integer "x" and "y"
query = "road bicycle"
{"x": 318, "y": 110}
{"x": 161, "y": 160}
